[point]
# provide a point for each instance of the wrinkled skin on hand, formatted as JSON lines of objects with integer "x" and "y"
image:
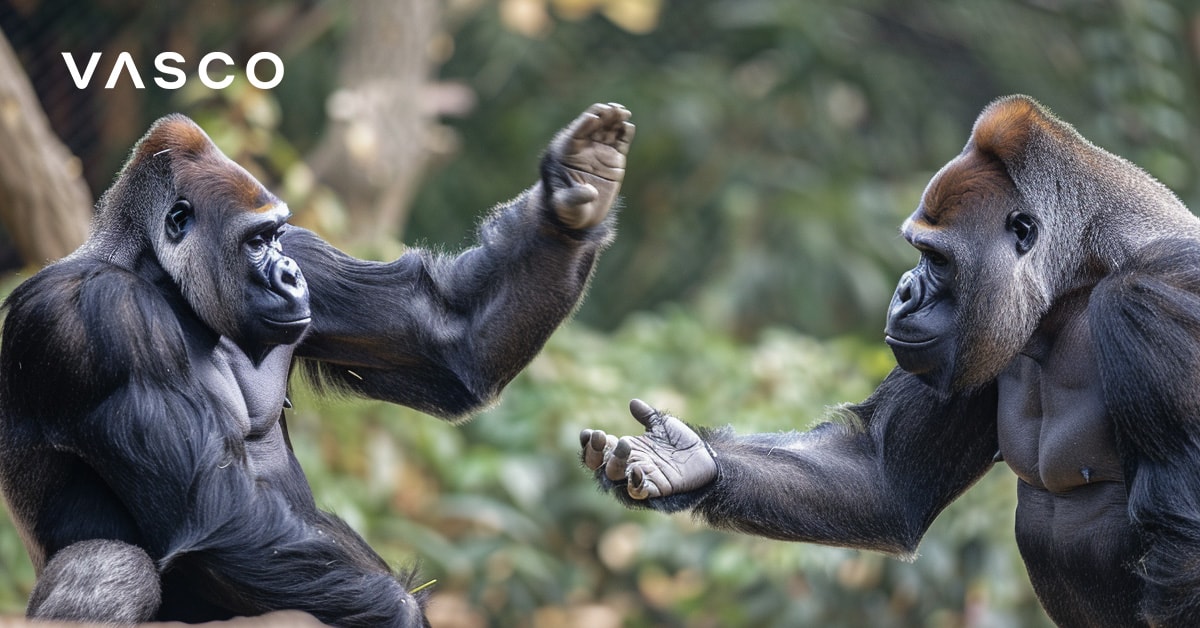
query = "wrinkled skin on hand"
{"x": 593, "y": 150}
{"x": 670, "y": 458}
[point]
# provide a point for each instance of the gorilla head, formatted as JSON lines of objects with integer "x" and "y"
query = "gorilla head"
{"x": 1004, "y": 230}
{"x": 215, "y": 231}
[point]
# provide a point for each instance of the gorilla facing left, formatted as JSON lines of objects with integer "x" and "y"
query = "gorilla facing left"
{"x": 144, "y": 451}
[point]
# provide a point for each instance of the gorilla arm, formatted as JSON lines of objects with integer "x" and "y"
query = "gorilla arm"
{"x": 444, "y": 334}
{"x": 875, "y": 481}
{"x": 1146, "y": 327}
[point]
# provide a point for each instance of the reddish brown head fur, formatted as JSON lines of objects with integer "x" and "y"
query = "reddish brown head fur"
{"x": 961, "y": 185}
{"x": 1008, "y": 125}
{"x": 175, "y": 133}
{"x": 198, "y": 163}
{"x": 1000, "y": 139}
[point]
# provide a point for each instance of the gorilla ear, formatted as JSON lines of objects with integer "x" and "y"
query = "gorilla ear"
{"x": 1005, "y": 127}
{"x": 179, "y": 220}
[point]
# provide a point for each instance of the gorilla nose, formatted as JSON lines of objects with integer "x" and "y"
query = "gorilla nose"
{"x": 908, "y": 296}
{"x": 287, "y": 278}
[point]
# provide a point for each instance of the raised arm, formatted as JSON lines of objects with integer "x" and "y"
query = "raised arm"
{"x": 445, "y": 333}
{"x": 874, "y": 480}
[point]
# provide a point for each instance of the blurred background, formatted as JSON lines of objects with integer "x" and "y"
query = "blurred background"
{"x": 779, "y": 146}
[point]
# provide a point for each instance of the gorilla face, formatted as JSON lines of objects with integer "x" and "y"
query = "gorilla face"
{"x": 274, "y": 290}
{"x": 254, "y": 294}
{"x": 219, "y": 243}
{"x": 976, "y": 295}
{"x": 921, "y": 322}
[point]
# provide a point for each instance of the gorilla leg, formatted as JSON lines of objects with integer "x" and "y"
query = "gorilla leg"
{"x": 97, "y": 580}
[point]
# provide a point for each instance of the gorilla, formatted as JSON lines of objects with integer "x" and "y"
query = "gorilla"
{"x": 144, "y": 450}
{"x": 1052, "y": 322}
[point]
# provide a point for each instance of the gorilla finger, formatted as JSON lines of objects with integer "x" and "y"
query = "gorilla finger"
{"x": 613, "y": 120}
{"x": 585, "y": 436}
{"x": 598, "y": 440}
{"x": 618, "y": 111}
{"x": 623, "y": 448}
{"x": 609, "y": 114}
{"x": 640, "y": 485}
{"x": 636, "y": 476}
{"x": 625, "y": 137}
{"x": 644, "y": 413}
{"x": 596, "y": 449}
{"x": 587, "y": 123}
{"x": 614, "y": 469}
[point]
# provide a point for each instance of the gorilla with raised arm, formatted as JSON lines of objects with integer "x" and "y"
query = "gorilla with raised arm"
{"x": 143, "y": 379}
{"x": 1054, "y": 318}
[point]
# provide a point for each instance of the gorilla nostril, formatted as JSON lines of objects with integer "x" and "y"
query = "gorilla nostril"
{"x": 287, "y": 275}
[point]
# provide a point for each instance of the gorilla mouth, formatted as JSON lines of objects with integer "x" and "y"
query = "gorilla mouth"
{"x": 303, "y": 321}
{"x": 909, "y": 345}
{"x": 276, "y": 322}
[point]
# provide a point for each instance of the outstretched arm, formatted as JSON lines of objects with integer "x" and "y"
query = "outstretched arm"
{"x": 1146, "y": 328}
{"x": 873, "y": 481}
{"x": 444, "y": 334}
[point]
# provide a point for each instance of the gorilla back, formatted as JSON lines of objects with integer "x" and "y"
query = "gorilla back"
{"x": 1052, "y": 321}
{"x": 143, "y": 379}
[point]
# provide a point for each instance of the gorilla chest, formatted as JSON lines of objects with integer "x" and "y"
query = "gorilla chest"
{"x": 251, "y": 398}
{"x": 1053, "y": 429}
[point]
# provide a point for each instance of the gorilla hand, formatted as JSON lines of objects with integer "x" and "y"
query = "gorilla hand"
{"x": 591, "y": 156}
{"x": 668, "y": 459}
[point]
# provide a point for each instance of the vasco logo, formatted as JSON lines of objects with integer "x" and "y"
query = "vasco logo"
{"x": 161, "y": 64}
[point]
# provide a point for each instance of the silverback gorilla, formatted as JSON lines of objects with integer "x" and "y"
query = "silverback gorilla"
{"x": 143, "y": 379}
{"x": 1053, "y": 321}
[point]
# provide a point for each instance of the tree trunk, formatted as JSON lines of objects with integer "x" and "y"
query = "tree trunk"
{"x": 45, "y": 204}
{"x": 378, "y": 137}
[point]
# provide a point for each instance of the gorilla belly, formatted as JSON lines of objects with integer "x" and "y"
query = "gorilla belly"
{"x": 1079, "y": 550}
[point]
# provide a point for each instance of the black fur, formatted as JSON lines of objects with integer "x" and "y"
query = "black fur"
{"x": 1148, "y": 332}
{"x": 143, "y": 380}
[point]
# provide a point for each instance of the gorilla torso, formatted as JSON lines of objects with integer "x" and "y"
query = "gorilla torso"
{"x": 1055, "y": 434}
{"x": 253, "y": 395}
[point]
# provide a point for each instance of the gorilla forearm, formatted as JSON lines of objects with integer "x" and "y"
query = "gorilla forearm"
{"x": 822, "y": 486}
{"x": 875, "y": 481}
{"x": 458, "y": 327}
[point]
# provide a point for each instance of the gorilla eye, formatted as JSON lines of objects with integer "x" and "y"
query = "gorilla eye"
{"x": 179, "y": 219}
{"x": 1025, "y": 228}
{"x": 264, "y": 238}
